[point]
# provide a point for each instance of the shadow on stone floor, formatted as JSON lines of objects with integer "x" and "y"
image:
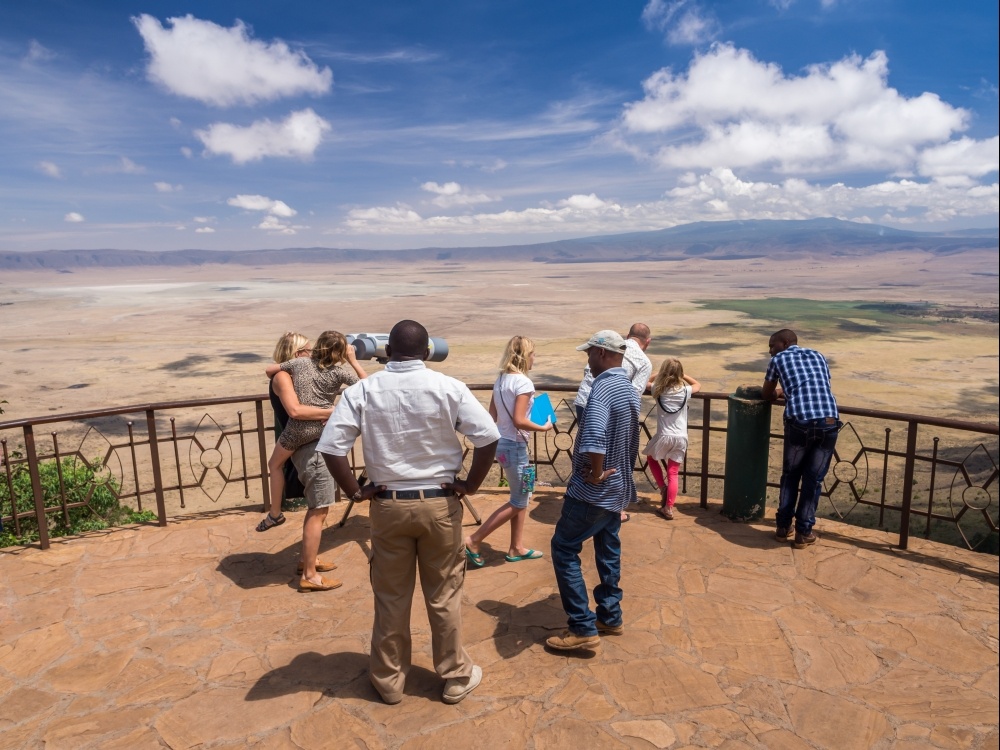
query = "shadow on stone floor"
{"x": 983, "y": 574}
{"x": 749, "y": 535}
{"x": 341, "y": 675}
{"x": 760, "y": 535}
{"x": 250, "y": 570}
{"x": 520, "y": 627}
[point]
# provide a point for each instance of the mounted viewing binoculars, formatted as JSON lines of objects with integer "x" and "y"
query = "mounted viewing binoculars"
{"x": 372, "y": 346}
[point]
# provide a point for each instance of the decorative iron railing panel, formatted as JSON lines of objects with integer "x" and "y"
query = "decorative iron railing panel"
{"x": 902, "y": 472}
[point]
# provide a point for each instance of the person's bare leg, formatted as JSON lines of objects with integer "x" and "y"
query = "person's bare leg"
{"x": 517, "y": 547}
{"x": 499, "y": 518}
{"x": 312, "y": 531}
{"x": 276, "y": 477}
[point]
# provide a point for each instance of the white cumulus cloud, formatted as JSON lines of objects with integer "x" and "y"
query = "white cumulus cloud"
{"x": 262, "y": 203}
{"x": 296, "y": 137}
{"x": 583, "y": 202}
{"x": 73, "y": 217}
{"x": 204, "y": 230}
{"x": 963, "y": 157}
{"x": 717, "y": 195}
{"x": 275, "y": 211}
{"x": 732, "y": 110}
{"x": 224, "y": 66}
{"x": 166, "y": 187}
{"x": 452, "y": 194}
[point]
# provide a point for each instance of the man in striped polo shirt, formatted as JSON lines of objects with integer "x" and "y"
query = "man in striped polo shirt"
{"x": 811, "y": 426}
{"x": 607, "y": 441}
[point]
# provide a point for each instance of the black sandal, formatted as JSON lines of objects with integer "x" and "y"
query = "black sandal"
{"x": 269, "y": 522}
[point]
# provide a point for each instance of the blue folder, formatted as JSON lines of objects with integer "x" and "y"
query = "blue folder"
{"x": 541, "y": 410}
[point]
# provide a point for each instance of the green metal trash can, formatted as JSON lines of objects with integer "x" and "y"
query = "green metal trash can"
{"x": 747, "y": 438}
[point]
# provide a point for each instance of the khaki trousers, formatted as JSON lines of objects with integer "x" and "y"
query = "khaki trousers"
{"x": 411, "y": 535}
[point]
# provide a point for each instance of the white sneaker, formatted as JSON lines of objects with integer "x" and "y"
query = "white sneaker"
{"x": 457, "y": 688}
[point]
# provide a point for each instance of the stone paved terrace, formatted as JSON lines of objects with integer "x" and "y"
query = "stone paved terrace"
{"x": 195, "y": 636}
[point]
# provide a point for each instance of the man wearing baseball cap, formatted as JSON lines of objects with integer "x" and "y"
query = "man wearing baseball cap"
{"x": 600, "y": 487}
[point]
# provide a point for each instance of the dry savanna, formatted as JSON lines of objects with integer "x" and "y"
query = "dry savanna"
{"x": 904, "y": 331}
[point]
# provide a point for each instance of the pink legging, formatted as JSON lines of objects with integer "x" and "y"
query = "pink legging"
{"x": 671, "y": 484}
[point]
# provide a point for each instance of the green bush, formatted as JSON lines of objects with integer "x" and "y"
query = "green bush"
{"x": 78, "y": 480}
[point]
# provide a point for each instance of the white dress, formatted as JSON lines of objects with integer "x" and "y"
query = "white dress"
{"x": 671, "y": 439}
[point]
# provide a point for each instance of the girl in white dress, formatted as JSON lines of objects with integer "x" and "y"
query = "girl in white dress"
{"x": 672, "y": 390}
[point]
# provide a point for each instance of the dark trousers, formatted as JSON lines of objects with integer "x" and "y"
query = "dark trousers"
{"x": 809, "y": 446}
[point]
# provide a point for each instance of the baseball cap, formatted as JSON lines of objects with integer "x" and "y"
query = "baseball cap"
{"x": 610, "y": 340}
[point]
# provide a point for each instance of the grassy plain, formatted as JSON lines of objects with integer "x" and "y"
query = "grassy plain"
{"x": 102, "y": 337}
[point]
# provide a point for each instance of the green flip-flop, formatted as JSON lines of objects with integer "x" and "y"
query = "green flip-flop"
{"x": 474, "y": 557}
{"x": 531, "y": 554}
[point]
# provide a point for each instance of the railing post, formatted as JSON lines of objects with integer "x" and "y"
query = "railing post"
{"x": 706, "y": 423}
{"x": 154, "y": 457}
{"x": 262, "y": 447}
{"x": 36, "y": 487}
{"x": 911, "y": 452}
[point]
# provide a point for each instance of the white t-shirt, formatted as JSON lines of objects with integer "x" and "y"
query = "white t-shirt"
{"x": 505, "y": 392}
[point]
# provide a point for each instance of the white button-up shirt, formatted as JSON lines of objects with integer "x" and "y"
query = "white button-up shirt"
{"x": 408, "y": 418}
{"x": 638, "y": 370}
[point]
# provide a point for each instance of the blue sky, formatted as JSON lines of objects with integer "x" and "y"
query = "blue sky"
{"x": 226, "y": 125}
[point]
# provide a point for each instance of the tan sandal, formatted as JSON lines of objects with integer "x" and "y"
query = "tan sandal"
{"x": 321, "y": 567}
{"x": 326, "y": 585}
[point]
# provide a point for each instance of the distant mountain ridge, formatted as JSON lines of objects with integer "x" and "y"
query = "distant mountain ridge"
{"x": 720, "y": 240}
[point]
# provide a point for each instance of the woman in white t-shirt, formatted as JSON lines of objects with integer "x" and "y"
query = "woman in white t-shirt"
{"x": 513, "y": 394}
{"x": 672, "y": 390}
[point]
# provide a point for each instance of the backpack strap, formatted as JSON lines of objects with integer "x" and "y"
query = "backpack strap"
{"x": 659, "y": 402}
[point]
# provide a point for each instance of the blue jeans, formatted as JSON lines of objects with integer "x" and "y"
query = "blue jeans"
{"x": 579, "y": 522}
{"x": 808, "y": 449}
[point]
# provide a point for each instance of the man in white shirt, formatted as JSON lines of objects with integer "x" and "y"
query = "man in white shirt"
{"x": 407, "y": 417}
{"x": 637, "y": 366}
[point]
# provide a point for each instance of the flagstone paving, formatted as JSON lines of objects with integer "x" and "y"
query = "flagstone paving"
{"x": 194, "y": 635}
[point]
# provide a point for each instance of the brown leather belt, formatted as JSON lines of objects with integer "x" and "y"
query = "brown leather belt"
{"x": 413, "y": 494}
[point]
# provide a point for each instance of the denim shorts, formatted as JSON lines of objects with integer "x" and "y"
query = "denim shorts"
{"x": 513, "y": 457}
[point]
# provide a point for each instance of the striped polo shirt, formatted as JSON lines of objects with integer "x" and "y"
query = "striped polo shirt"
{"x": 805, "y": 380}
{"x": 610, "y": 426}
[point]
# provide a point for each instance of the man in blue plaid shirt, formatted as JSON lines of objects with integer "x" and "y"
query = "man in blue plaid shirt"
{"x": 607, "y": 441}
{"x": 811, "y": 426}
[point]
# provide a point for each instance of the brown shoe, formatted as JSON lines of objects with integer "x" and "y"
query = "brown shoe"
{"x": 326, "y": 585}
{"x": 667, "y": 512}
{"x": 782, "y": 533}
{"x": 804, "y": 540}
{"x": 321, "y": 567}
{"x": 570, "y": 641}
{"x": 603, "y": 629}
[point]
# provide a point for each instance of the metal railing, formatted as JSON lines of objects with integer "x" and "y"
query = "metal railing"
{"x": 890, "y": 470}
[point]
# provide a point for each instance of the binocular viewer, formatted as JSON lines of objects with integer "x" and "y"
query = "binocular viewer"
{"x": 372, "y": 346}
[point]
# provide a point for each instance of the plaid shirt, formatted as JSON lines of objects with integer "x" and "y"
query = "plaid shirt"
{"x": 805, "y": 380}
{"x": 610, "y": 426}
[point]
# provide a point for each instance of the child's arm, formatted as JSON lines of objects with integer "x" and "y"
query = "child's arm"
{"x": 695, "y": 385}
{"x": 352, "y": 360}
{"x": 272, "y": 369}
